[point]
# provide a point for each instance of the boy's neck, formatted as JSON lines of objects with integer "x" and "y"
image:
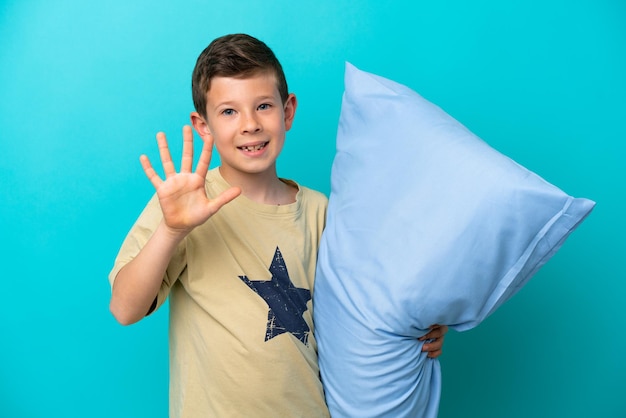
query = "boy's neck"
{"x": 265, "y": 188}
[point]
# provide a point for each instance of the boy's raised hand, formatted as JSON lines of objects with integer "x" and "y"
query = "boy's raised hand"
{"x": 182, "y": 195}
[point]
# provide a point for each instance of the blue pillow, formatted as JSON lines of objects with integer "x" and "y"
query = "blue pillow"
{"x": 427, "y": 224}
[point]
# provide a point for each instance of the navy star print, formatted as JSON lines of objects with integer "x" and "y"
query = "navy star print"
{"x": 286, "y": 302}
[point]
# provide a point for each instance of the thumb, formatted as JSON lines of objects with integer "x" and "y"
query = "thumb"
{"x": 223, "y": 198}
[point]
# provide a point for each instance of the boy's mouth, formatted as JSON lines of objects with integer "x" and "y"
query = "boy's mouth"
{"x": 252, "y": 148}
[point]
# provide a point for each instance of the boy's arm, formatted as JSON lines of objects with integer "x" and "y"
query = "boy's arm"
{"x": 185, "y": 205}
{"x": 137, "y": 284}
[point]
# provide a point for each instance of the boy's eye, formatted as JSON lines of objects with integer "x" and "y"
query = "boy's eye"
{"x": 228, "y": 112}
{"x": 264, "y": 106}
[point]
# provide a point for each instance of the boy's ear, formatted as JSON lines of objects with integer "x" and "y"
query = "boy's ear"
{"x": 200, "y": 125}
{"x": 290, "y": 110}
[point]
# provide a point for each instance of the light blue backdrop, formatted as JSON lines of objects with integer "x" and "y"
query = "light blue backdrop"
{"x": 84, "y": 86}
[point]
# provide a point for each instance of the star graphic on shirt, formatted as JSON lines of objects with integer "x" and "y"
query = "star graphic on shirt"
{"x": 286, "y": 302}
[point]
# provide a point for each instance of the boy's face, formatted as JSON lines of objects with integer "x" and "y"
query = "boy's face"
{"x": 247, "y": 120}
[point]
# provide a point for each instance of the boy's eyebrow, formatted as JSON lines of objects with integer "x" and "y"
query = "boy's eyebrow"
{"x": 266, "y": 98}
{"x": 256, "y": 99}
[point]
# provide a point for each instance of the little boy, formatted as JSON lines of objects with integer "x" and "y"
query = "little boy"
{"x": 234, "y": 248}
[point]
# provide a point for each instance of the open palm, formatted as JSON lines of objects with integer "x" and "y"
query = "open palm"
{"x": 182, "y": 195}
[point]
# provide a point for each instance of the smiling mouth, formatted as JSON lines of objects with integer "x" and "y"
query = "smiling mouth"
{"x": 254, "y": 147}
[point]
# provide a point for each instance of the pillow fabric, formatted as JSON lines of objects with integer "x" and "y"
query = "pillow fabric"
{"x": 427, "y": 224}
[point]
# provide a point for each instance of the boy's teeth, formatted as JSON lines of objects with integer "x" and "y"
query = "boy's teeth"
{"x": 254, "y": 148}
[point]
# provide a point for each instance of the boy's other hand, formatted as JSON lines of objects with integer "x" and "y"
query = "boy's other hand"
{"x": 437, "y": 333}
{"x": 182, "y": 195}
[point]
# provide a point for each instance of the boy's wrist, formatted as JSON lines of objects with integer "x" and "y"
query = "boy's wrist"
{"x": 172, "y": 234}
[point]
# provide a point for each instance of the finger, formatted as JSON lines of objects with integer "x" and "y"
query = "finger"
{"x": 433, "y": 349}
{"x": 205, "y": 157}
{"x": 187, "y": 158}
{"x": 436, "y": 331}
{"x": 433, "y": 345}
{"x": 150, "y": 173}
{"x": 434, "y": 354}
{"x": 166, "y": 158}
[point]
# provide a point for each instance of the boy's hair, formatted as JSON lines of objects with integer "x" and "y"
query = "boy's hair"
{"x": 238, "y": 56}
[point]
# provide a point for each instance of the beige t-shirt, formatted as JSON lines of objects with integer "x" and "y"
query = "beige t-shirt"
{"x": 241, "y": 322}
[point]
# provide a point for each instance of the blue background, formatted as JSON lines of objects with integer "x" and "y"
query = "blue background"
{"x": 84, "y": 86}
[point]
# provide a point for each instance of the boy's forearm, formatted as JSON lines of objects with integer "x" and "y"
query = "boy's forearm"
{"x": 137, "y": 284}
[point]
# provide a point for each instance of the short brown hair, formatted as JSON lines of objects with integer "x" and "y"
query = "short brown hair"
{"x": 236, "y": 55}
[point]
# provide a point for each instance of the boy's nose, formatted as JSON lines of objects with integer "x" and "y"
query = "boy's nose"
{"x": 250, "y": 124}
